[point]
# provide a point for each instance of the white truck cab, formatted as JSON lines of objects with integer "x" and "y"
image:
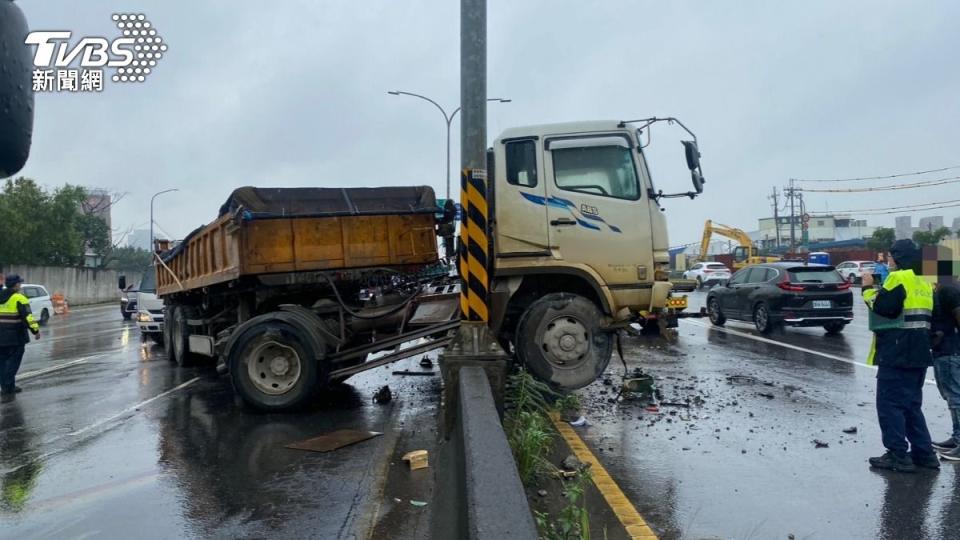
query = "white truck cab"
{"x": 149, "y": 307}
{"x": 580, "y": 242}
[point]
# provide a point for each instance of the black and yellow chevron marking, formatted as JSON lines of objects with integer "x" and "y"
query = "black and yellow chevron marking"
{"x": 473, "y": 256}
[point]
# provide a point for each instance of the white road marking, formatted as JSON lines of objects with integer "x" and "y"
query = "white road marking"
{"x": 786, "y": 345}
{"x": 133, "y": 408}
{"x": 58, "y": 367}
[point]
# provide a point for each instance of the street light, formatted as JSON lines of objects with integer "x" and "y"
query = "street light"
{"x": 447, "y": 118}
{"x": 151, "y": 213}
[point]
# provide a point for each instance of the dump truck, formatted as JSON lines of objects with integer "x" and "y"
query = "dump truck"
{"x": 294, "y": 288}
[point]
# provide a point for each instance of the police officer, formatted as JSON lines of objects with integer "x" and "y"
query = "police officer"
{"x": 15, "y": 321}
{"x": 900, "y": 313}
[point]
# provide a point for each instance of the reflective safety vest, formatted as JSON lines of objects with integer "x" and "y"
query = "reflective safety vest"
{"x": 12, "y": 315}
{"x": 917, "y": 312}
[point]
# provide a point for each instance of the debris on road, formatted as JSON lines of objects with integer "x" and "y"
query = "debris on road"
{"x": 582, "y": 421}
{"x": 417, "y": 459}
{"x": 383, "y": 395}
{"x": 418, "y": 503}
{"x": 426, "y": 362}
{"x": 334, "y": 440}
{"x": 850, "y": 430}
{"x": 766, "y": 395}
{"x": 542, "y": 493}
{"x": 416, "y": 373}
{"x": 817, "y": 443}
{"x": 571, "y": 463}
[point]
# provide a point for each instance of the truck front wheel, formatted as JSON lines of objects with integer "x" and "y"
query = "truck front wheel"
{"x": 559, "y": 340}
{"x": 275, "y": 365}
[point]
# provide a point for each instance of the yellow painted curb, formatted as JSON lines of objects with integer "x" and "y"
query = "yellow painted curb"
{"x": 631, "y": 520}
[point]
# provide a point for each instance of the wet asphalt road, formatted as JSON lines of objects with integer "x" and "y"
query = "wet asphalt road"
{"x": 742, "y": 463}
{"x": 109, "y": 440}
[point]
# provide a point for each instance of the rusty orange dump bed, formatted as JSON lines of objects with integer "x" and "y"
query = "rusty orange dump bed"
{"x": 270, "y": 230}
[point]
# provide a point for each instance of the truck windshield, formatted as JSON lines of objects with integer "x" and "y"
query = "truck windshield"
{"x": 598, "y": 170}
{"x": 148, "y": 283}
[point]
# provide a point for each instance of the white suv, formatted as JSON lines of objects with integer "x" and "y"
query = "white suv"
{"x": 852, "y": 270}
{"x": 708, "y": 273}
{"x": 40, "y": 303}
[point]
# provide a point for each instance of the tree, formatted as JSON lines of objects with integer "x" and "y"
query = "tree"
{"x": 37, "y": 227}
{"x": 931, "y": 238}
{"x": 129, "y": 259}
{"x": 882, "y": 239}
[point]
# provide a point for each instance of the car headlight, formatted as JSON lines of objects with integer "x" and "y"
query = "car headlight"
{"x": 143, "y": 316}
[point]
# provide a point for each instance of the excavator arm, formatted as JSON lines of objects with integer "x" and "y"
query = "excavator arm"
{"x": 724, "y": 230}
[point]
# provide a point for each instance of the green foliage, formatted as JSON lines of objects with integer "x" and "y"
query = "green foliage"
{"x": 129, "y": 258}
{"x": 568, "y": 403}
{"x": 525, "y": 393}
{"x": 530, "y": 436}
{"x": 573, "y": 521}
{"x": 41, "y": 228}
{"x": 931, "y": 238}
{"x": 882, "y": 239}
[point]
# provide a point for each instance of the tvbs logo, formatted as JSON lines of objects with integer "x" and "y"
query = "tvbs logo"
{"x": 62, "y": 66}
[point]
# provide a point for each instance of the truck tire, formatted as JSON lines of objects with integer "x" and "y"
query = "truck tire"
{"x": 177, "y": 334}
{"x": 559, "y": 340}
{"x": 277, "y": 363}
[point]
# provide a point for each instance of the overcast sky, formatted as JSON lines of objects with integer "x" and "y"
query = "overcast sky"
{"x": 295, "y": 95}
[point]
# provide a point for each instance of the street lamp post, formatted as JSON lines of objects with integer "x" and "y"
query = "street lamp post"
{"x": 448, "y": 118}
{"x": 151, "y": 213}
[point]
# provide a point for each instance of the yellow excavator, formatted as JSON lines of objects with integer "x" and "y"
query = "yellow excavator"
{"x": 743, "y": 255}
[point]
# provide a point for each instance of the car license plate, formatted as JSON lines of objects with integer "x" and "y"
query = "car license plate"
{"x": 821, "y": 304}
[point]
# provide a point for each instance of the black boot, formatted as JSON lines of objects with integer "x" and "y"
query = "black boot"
{"x": 929, "y": 461}
{"x": 892, "y": 462}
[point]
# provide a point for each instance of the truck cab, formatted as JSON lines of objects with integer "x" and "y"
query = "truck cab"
{"x": 149, "y": 306}
{"x": 580, "y": 242}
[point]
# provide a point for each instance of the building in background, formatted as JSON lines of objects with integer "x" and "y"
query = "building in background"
{"x": 905, "y": 229}
{"x": 140, "y": 239}
{"x": 820, "y": 228}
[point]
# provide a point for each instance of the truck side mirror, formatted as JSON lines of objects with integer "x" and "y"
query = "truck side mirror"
{"x": 16, "y": 90}
{"x": 122, "y": 283}
{"x": 697, "y": 180}
{"x": 692, "y": 153}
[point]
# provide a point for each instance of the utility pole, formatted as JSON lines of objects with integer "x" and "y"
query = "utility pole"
{"x": 776, "y": 214}
{"x": 793, "y": 233}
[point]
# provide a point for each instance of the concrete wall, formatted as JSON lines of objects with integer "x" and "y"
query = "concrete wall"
{"x": 79, "y": 285}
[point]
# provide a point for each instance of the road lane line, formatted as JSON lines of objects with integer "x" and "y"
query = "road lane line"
{"x": 626, "y": 513}
{"x": 58, "y": 367}
{"x": 133, "y": 408}
{"x": 786, "y": 345}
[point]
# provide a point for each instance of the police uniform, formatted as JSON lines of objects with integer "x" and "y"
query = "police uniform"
{"x": 900, "y": 313}
{"x": 16, "y": 323}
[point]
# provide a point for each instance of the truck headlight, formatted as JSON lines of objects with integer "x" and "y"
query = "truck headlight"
{"x": 143, "y": 316}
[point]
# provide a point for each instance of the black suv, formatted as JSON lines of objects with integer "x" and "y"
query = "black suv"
{"x": 788, "y": 293}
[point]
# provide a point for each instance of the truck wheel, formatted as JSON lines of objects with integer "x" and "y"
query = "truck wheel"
{"x": 44, "y": 317}
{"x": 559, "y": 340}
{"x": 179, "y": 336}
{"x": 275, "y": 363}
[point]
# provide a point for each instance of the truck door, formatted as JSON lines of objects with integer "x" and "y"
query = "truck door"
{"x": 521, "y": 212}
{"x": 594, "y": 208}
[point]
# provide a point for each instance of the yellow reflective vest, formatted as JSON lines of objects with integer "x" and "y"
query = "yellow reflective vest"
{"x": 902, "y": 340}
{"x": 15, "y": 320}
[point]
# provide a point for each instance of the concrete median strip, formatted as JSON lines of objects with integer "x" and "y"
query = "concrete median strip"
{"x": 786, "y": 345}
{"x": 626, "y": 513}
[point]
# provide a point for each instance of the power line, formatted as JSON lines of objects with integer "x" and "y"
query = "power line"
{"x": 899, "y": 175}
{"x": 925, "y": 183}
{"x": 894, "y": 209}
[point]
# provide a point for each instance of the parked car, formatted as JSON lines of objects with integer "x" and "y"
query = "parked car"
{"x": 708, "y": 274}
{"x": 681, "y": 283}
{"x": 788, "y": 294}
{"x": 852, "y": 270}
{"x": 40, "y": 303}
